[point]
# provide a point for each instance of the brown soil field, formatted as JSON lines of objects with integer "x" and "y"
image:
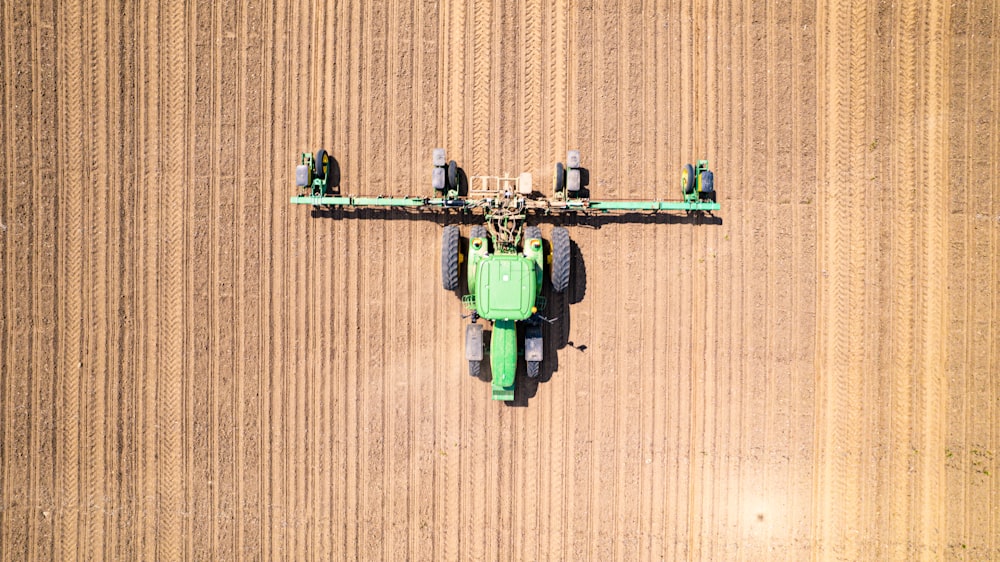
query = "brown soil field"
{"x": 193, "y": 368}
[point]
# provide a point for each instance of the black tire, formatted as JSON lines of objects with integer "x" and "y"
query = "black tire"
{"x": 532, "y": 232}
{"x": 319, "y": 169}
{"x": 452, "y": 175}
{"x": 560, "y": 259}
{"x": 478, "y": 231}
{"x": 449, "y": 258}
{"x": 559, "y": 179}
{"x": 687, "y": 179}
{"x": 475, "y": 367}
{"x": 533, "y": 368}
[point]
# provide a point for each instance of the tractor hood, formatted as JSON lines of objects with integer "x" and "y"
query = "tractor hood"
{"x": 505, "y": 287}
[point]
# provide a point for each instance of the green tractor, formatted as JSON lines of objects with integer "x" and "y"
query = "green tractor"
{"x": 507, "y": 259}
{"x": 505, "y": 271}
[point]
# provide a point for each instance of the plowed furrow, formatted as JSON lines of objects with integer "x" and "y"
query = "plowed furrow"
{"x": 257, "y": 170}
{"x": 18, "y": 245}
{"x": 47, "y": 289}
{"x": 201, "y": 283}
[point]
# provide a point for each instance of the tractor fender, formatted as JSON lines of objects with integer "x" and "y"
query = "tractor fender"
{"x": 474, "y": 342}
{"x": 533, "y": 343}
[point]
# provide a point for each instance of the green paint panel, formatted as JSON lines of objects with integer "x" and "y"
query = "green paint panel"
{"x": 654, "y": 205}
{"x": 503, "y": 358}
{"x": 360, "y": 201}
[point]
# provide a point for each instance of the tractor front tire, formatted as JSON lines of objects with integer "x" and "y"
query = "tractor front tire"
{"x": 478, "y": 231}
{"x": 532, "y": 232}
{"x": 449, "y": 258}
{"x": 560, "y": 259}
{"x": 533, "y": 368}
{"x": 474, "y": 368}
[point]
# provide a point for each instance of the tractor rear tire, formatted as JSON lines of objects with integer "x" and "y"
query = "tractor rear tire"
{"x": 449, "y": 258}
{"x": 475, "y": 367}
{"x": 687, "y": 179}
{"x": 452, "y": 175}
{"x": 478, "y": 231}
{"x": 559, "y": 179}
{"x": 531, "y": 232}
{"x": 560, "y": 259}
{"x": 533, "y": 368}
{"x": 319, "y": 168}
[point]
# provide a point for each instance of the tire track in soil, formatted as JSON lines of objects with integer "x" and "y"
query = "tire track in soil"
{"x": 478, "y": 109}
{"x": 71, "y": 317}
{"x": 551, "y": 506}
{"x": 576, "y": 459}
{"x": 171, "y": 294}
{"x": 871, "y": 445}
{"x": 857, "y": 325}
{"x": 834, "y": 405}
{"x": 148, "y": 313}
{"x": 450, "y": 472}
{"x": 508, "y": 434}
{"x": 95, "y": 388}
{"x": 124, "y": 180}
{"x": 903, "y": 292}
{"x": 530, "y": 99}
{"x": 932, "y": 391}
{"x": 523, "y": 527}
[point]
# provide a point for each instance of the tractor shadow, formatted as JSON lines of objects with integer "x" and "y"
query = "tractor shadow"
{"x": 555, "y": 333}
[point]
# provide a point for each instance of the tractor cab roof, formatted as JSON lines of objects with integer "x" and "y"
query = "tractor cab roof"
{"x": 506, "y": 287}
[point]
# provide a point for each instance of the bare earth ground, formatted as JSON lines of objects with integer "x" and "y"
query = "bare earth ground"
{"x": 190, "y": 367}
